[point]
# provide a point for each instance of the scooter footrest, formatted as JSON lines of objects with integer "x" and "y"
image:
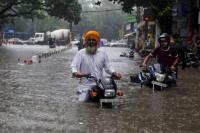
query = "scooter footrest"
{"x": 110, "y": 101}
{"x": 158, "y": 84}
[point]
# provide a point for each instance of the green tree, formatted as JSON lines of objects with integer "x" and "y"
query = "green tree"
{"x": 69, "y": 10}
{"x": 160, "y": 10}
{"x": 65, "y": 9}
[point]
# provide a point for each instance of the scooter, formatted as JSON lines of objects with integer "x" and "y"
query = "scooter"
{"x": 155, "y": 75}
{"x": 130, "y": 54}
{"x": 103, "y": 92}
{"x": 192, "y": 60}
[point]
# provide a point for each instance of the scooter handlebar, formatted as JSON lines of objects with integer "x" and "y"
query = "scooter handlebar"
{"x": 88, "y": 76}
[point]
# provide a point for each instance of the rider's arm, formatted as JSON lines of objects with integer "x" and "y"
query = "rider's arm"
{"x": 76, "y": 63}
{"x": 146, "y": 59}
{"x": 107, "y": 66}
{"x": 175, "y": 62}
{"x": 176, "y": 58}
{"x": 109, "y": 69}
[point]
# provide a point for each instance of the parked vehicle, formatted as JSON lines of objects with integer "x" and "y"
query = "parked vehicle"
{"x": 192, "y": 60}
{"x": 60, "y": 37}
{"x": 130, "y": 54}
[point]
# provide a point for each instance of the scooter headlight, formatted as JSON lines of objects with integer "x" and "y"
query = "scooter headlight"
{"x": 109, "y": 93}
{"x": 160, "y": 77}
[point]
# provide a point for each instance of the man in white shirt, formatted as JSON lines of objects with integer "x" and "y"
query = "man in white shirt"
{"x": 91, "y": 60}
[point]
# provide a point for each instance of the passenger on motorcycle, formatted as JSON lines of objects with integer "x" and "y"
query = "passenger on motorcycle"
{"x": 91, "y": 60}
{"x": 165, "y": 54}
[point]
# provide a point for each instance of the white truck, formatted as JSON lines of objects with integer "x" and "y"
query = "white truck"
{"x": 39, "y": 38}
{"x": 60, "y": 37}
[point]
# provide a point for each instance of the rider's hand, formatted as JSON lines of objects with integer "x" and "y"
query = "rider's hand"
{"x": 117, "y": 75}
{"x": 173, "y": 68}
{"x": 77, "y": 74}
{"x": 143, "y": 66}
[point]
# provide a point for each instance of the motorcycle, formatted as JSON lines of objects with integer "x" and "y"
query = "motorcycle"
{"x": 102, "y": 91}
{"x": 192, "y": 59}
{"x": 130, "y": 54}
{"x": 155, "y": 74}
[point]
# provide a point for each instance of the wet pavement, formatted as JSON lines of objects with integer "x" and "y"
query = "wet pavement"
{"x": 40, "y": 98}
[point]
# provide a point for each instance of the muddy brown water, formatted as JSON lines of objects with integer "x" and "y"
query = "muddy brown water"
{"x": 40, "y": 98}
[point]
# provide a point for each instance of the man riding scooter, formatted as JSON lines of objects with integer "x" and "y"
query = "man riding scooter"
{"x": 167, "y": 59}
{"x": 91, "y": 60}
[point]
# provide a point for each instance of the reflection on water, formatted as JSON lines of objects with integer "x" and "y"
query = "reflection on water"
{"x": 41, "y": 98}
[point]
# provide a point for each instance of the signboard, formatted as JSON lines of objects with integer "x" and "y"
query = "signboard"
{"x": 128, "y": 27}
{"x": 151, "y": 23}
{"x": 131, "y": 19}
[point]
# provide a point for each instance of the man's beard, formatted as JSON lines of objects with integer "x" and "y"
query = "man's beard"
{"x": 91, "y": 50}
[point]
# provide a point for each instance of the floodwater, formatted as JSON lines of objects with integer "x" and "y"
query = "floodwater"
{"x": 41, "y": 98}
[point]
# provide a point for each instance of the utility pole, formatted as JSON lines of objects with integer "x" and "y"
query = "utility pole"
{"x": 70, "y": 28}
{"x": 198, "y": 5}
{"x": 138, "y": 13}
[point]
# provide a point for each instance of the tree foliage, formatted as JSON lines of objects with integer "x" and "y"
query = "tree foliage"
{"x": 108, "y": 23}
{"x": 69, "y": 10}
{"x": 66, "y": 9}
{"x": 160, "y": 9}
{"x": 26, "y": 8}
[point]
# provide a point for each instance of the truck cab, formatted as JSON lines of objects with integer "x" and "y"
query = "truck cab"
{"x": 39, "y": 37}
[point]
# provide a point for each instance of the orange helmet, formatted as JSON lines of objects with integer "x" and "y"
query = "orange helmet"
{"x": 92, "y": 33}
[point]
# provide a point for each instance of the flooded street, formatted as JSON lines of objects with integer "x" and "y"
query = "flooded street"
{"x": 41, "y": 98}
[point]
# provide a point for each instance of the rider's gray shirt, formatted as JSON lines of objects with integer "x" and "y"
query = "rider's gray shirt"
{"x": 93, "y": 64}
